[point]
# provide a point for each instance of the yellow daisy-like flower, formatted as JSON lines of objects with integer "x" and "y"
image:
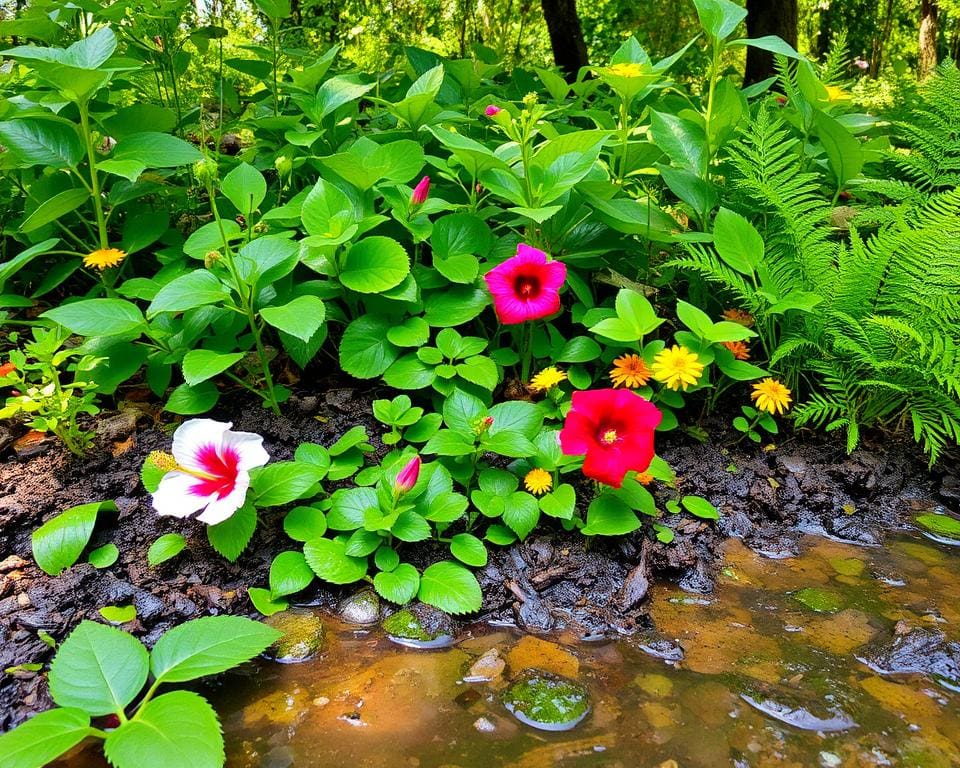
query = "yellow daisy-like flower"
{"x": 738, "y": 316}
{"x": 739, "y": 348}
{"x": 771, "y": 396}
{"x": 103, "y": 258}
{"x": 677, "y": 367}
{"x": 630, "y": 371}
{"x": 625, "y": 69}
{"x": 538, "y": 481}
{"x": 547, "y": 379}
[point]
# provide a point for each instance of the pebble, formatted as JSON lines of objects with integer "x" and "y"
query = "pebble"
{"x": 488, "y": 667}
{"x": 483, "y": 725}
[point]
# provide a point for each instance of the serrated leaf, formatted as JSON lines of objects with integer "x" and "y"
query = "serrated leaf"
{"x": 233, "y": 535}
{"x": 329, "y": 560}
{"x": 44, "y": 737}
{"x": 399, "y": 585}
{"x": 450, "y": 587}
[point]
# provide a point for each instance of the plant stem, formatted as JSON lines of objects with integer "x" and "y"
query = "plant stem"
{"x": 94, "y": 179}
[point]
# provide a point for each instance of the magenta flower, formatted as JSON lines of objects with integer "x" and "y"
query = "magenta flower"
{"x": 408, "y": 476}
{"x": 209, "y": 470}
{"x": 421, "y": 192}
{"x": 526, "y": 286}
{"x": 491, "y": 110}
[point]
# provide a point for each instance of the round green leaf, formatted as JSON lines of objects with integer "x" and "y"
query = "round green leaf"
{"x": 450, "y": 587}
{"x": 330, "y": 561}
{"x": 117, "y": 614}
{"x": 468, "y": 549}
{"x": 399, "y": 585}
{"x": 304, "y": 523}
{"x": 375, "y": 264}
{"x": 104, "y": 557}
{"x": 289, "y": 573}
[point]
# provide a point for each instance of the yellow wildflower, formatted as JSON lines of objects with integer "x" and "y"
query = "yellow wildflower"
{"x": 630, "y": 69}
{"x": 677, "y": 367}
{"x": 103, "y": 258}
{"x": 547, "y": 379}
{"x": 630, "y": 371}
{"x": 836, "y": 93}
{"x": 538, "y": 481}
{"x": 771, "y": 396}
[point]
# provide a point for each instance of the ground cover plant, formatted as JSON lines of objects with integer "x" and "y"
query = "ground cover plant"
{"x": 539, "y": 275}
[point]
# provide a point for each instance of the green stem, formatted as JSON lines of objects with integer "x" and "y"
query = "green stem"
{"x": 714, "y": 70}
{"x": 94, "y": 179}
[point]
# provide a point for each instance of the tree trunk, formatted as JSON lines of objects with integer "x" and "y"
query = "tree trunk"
{"x": 566, "y": 36}
{"x": 928, "y": 37}
{"x": 880, "y": 44}
{"x": 768, "y": 17}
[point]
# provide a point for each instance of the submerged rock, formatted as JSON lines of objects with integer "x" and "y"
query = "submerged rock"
{"x": 920, "y": 651}
{"x": 362, "y": 608}
{"x": 547, "y": 701}
{"x": 941, "y": 528}
{"x": 819, "y": 600}
{"x": 302, "y": 639}
{"x": 486, "y": 668}
{"x": 804, "y": 710}
{"x": 420, "y": 626}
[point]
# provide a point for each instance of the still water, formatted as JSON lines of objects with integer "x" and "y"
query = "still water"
{"x": 765, "y": 680}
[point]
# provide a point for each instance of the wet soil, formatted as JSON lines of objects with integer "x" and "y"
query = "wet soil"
{"x": 553, "y": 581}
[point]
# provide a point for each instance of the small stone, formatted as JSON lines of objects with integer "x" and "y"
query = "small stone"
{"x": 488, "y": 667}
{"x": 546, "y": 701}
{"x": 12, "y": 563}
{"x": 483, "y": 725}
{"x": 420, "y": 626}
{"x": 362, "y": 608}
{"x": 119, "y": 426}
{"x": 303, "y": 636}
{"x": 23, "y": 600}
{"x": 830, "y": 760}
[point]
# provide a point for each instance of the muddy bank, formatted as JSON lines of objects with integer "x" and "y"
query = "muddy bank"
{"x": 552, "y": 581}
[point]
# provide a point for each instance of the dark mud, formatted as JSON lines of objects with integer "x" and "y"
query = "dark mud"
{"x": 552, "y": 581}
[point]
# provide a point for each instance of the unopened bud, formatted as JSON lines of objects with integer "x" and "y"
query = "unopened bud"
{"x": 210, "y": 258}
{"x": 284, "y": 165}
{"x": 421, "y": 192}
{"x": 205, "y": 170}
{"x": 408, "y": 476}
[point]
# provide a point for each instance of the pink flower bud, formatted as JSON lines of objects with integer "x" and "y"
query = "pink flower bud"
{"x": 491, "y": 110}
{"x": 408, "y": 476}
{"x": 421, "y": 191}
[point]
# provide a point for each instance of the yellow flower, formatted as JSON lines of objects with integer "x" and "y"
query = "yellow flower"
{"x": 630, "y": 371}
{"x": 836, "y": 93}
{"x": 547, "y": 378}
{"x": 625, "y": 70}
{"x": 771, "y": 396}
{"x": 103, "y": 258}
{"x": 677, "y": 367}
{"x": 740, "y": 350}
{"x": 538, "y": 481}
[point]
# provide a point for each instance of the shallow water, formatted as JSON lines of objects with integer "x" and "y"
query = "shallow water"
{"x": 766, "y": 680}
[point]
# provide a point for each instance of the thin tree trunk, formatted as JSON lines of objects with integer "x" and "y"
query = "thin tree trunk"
{"x": 880, "y": 44}
{"x": 768, "y": 17}
{"x": 566, "y": 36}
{"x": 928, "y": 37}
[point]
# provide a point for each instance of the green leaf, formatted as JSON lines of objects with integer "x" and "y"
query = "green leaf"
{"x": 35, "y": 141}
{"x": 521, "y": 513}
{"x": 844, "y": 152}
{"x": 770, "y": 43}
{"x": 365, "y": 352}
{"x": 54, "y": 208}
{"x": 245, "y": 187}
{"x": 304, "y": 523}
{"x": 719, "y": 17}
{"x": 98, "y": 317}
{"x": 500, "y": 535}
{"x": 44, "y": 737}
{"x": 186, "y": 400}
{"x": 156, "y": 150}
{"x": 301, "y": 317}
{"x": 560, "y": 502}
{"x": 289, "y": 573}
{"x": 58, "y": 543}
{"x": 208, "y": 646}
{"x": 329, "y": 560}
{"x": 98, "y": 669}
{"x": 202, "y": 364}
{"x": 456, "y": 306}
{"x": 116, "y": 614}
{"x": 264, "y": 601}
{"x": 699, "y": 506}
{"x": 177, "y": 728}
{"x": 194, "y": 289}
{"x": 683, "y": 141}
{"x": 509, "y": 443}
{"x": 516, "y": 416}
{"x": 449, "y": 443}
{"x": 164, "y": 548}
{"x": 387, "y": 559}
{"x": 375, "y": 264}
{"x": 233, "y": 535}
{"x": 608, "y": 515}
{"x": 282, "y": 482}
{"x": 737, "y": 241}
{"x": 399, "y": 585}
{"x": 450, "y": 587}
{"x": 411, "y": 527}
{"x": 409, "y": 372}
{"x": 412, "y": 332}
{"x": 579, "y": 349}
{"x": 348, "y": 506}
{"x": 468, "y": 549}
{"x": 104, "y": 557}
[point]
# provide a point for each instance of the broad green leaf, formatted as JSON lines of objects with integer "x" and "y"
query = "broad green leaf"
{"x": 608, "y": 515}
{"x": 301, "y": 317}
{"x": 44, "y": 737}
{"x": 737, "y": 241}
{"x": 178, "y": 728}
{"x": 233, "y": 535}
{"x": 289, "y": 573}
{"x": 450, "y": 587}
{"x": 202, "y": 364}
{"x": 844, "y": 152}
{"x": 58, "y": 543}
{"x": 264, "y": 601}
{"x": 347, "y": 507}
{"x": 699, "y": 506}
{"x": 375, "y": 264}
{"x": 282, "y": 482}
{"x": 208, "y": 646}
{"x": 156, "y": 150}
{"x": 98, "y": 669}
{"x": 399, "y": 585}
{"x": 245, "y": 187}
{"x": 682, "y": 140}
{"x": 304, "y": 523}
{"x": 770, "y": 43}
{"x": 98, "y": 317}
{"x": 560, "y": 502}
{"x": 456, "y": 306}
{"x": 329, "y": 560}
{"x": 468, "y": 549}
{"x": 55, "y": 207}
{"x": 516, "y": 416}
{"x": 365, "y": 351}
{"x": 104, "y": 557}
{"x": 187, "y": 401}
{"x": 521, "y": 513}
{"x": 164, "y": 548}
{"x": 35, "y": 141}
{"x": 194, "y": 289}
{"x": 719, "y": 17}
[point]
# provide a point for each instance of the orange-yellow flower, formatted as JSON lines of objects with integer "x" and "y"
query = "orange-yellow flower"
{"x": 538, "y": 481}
{"x": 630, "y": 371}
{"x": 547, "y": 379}
{"x": 771, "y": 396}
{"x": 739, "y": 348}
{"x": 677, "y": 367}
{"x": 103, "y": 258}
{"x": 738, "y": 316}
{"x": 644, "y": 478}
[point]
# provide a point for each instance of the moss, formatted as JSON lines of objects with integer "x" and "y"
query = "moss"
{"x": 405, "y": 624}
{"x": 820, "y": 600}
{"x": 544, "y": 699}
{"x": 303, "y": 635}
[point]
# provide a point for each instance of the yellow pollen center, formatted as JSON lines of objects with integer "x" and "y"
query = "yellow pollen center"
{"x": 609, "y": 437}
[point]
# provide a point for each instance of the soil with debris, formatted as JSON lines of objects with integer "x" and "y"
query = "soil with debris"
{"x": 552, "y": 581}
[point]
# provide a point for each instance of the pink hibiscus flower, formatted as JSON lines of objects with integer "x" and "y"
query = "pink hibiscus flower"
{"x": 209, "y": 470}
{"x": 526, "y": 286}
{"x": 614, "y": 428}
